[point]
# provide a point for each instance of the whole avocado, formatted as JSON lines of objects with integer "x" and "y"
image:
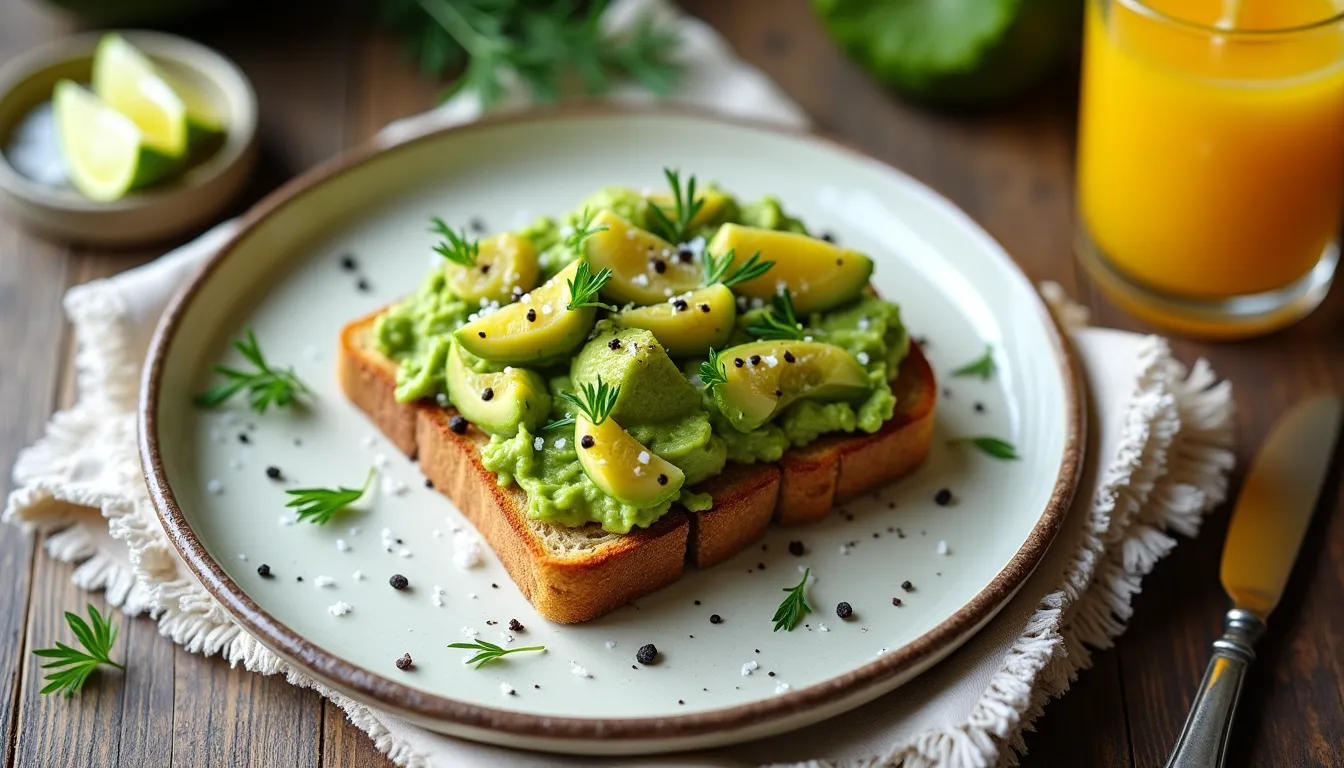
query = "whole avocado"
{"x": 955, "y": 52}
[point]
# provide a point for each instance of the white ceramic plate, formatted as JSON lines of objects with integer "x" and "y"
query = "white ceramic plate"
{"x": 282, "y": 276}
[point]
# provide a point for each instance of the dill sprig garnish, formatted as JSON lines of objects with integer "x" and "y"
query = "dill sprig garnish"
{"x": 585, "y": 285}
{"x": 320, "y": 505}
{"x": 716, "y": 269}
{"x": 712, "y": 371}
{"x": 583, "y": 230}
{"x": 982, "y": 366}
{"x": 990, "y": 446}
{"x": 779, "y": 323}
{"x": 488, "y": 652}
{"x": 794, "y": 607}
{"x": 75, "y": 666}
{"x": 595, "y": 400}
{"x": 685, "y": 207}
{"x": 456, "y": 247}
{"x": 564, "y": 421}
{"x": 266, "y": 386}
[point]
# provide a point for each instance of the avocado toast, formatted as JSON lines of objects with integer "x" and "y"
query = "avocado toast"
{"x": 608, "y": 396}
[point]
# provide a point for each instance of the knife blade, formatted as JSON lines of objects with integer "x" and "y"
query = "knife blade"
{"x": 1263, "y": 539}
{"x": 1276, "y": 503}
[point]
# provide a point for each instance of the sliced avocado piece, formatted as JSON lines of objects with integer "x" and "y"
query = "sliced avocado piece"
{"x": 689, "y": 324}
{"x": 714, "y": 205}
{"x": 820, "y": 275}
{"x": 763, "y": 378}
{"x": 535, "y": 329}
{"x": 497, "y": 402}
{"x": 621, "y": 467}
{"x": 506, "y": 267}
{"x": 652, "y": 388}
{"x": 646, "y": 269}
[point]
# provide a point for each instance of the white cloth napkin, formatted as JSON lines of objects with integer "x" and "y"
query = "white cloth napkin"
{"x": 1158, "y": 459}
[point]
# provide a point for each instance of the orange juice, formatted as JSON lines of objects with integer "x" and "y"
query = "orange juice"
{"x": 1211, "y": 141}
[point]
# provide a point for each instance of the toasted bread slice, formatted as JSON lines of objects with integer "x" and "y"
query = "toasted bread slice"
{"x": 575, "y": 574}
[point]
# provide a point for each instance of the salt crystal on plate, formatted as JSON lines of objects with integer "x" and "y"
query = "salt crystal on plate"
{"x": 403, "y": 552}
{"x": 578, "y": 671}
{"x": 749, "y": 667}
{"x": 339, "y": 608}
{"x": 781, "y": 687}
{"x": 506, "y": 689}
{"x": 610, "y": 644}
{"x": 357, "y": 575}
{"x": 942, "y": 547}
{"x": 214, "y": 486}
{"x": 323, "y": 581}
{"x": 341, "y": 546}
{"x": 470, "y": 632}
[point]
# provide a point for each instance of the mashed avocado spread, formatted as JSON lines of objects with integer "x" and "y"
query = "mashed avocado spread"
{"x": 690, "y": 412}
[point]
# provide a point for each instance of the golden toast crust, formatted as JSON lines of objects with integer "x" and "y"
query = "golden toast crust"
{"x": 570, "y": 587}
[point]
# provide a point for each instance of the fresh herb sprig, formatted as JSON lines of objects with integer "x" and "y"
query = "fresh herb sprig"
{"x": 544, "y": 43}
{"x": 71, "y": 666}
{"x": 794, "y": 607}
{"x": 583, "y": 230}
{"x": 558, "y": 423}
{"x": 595, "y": 400}
{"x": 584, "y": 286}
{"x": 320, "y": 505}
{"x": 266, "y": 386}
{"x": 488, "y": 652}
{"x": 685, "y": 206}
{"x": 779, "y": 323}
{"x": 456, "y": 246}
{"x": 990, "y": 446}
{"x": 982, "y": 366}
{"x": 716, "y": 269}
{"x": 713, "y": 371}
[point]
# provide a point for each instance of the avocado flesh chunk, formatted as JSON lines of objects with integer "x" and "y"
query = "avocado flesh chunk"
{"x": 766, "y": 383}
{"x": 613, "y": 463}
{"x": 504, "y": 262}
{"x": 818, "y": 274}
{"x": 633, "y": 255}
{"x": 497, "y": 402}
{"x": 705, "y": 322}
{"x": 508, "y": 337}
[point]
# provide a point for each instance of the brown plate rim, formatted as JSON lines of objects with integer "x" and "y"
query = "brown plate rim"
{"x": 396, "y": 696}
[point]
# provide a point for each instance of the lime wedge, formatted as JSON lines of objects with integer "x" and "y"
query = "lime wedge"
{"x": 126, "y": 79}
{"x": 107, "y": 154}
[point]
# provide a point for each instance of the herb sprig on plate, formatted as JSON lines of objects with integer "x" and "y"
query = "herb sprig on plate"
{"x": 584, "y": 286}
{"x": 320, "y": 505}
{"x": 266, "y": 385}
{"x": 982, "y": 366}
{"x": 780, "y": 323}
{"x": 794, "y": 607}
{"x": 72, "y": 666}
{"x": 488, "y": 652}
{"x": 990, "y": 446}
{"x": 716, "y": 269}
{"x": 595, "y": 400}
{"x": 456, "y": 246}
{"x": 684, "y": 208}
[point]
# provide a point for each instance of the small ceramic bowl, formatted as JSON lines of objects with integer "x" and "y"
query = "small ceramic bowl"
{"x": 157, "y": 213}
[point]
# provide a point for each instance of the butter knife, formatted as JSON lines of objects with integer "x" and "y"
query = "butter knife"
{"x": 1267, "y": 528}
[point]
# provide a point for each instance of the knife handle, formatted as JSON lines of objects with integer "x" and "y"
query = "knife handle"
{"x": 1203, "y": 740}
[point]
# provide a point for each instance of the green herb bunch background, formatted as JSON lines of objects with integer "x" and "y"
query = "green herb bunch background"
{"x": 554, "y": 47}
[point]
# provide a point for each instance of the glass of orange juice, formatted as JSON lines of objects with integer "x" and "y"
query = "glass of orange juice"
{"x": 1211, "y": 159}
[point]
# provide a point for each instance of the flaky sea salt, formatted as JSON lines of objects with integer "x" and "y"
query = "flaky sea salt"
{"x": 506, "y": 689}
{"x": 863, "y": 358}
{"x": 357, "y": 575}
{"x": 643, "y": 457}
{"x": 749, "y": 667}
{"x": 466, "y": 550}
{"x": 823, "y": 628}
{"x": 538, "y": 443}
{"x": 577, "y": 670}
{"x": 214, "y": 486}
{"x": 560, "y": 443}
{"x": 338, "y": 608}
{"x": 341, "y": 546}
{"x": 380, "y": 460}
{"x": 323, "y": 581}
{"x": 942, "y": 547}
{"x": 470, "y": 632}
{"x": 403, "y": 552}
{"x": 781, "y": 687}
{"x": 610, "y": 644}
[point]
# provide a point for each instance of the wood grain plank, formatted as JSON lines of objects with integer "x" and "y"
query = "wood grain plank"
{"x": 32, "y": 277}
{"x": 345, "y": 746}
{"x": 1292, "y": 712}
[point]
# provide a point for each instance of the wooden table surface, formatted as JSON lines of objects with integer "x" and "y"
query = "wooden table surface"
{"x": 327, "y": 80}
